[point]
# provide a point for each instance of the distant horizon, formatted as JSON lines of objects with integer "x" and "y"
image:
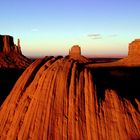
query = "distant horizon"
{"x": 88, "y": 56}
{"x": 52, "y": 27}
{"x": 93, "y": 55}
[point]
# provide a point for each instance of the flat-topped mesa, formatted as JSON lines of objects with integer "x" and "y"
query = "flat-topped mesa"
{"x": 75, "y": 51}
{"x": 7, "y": 44}
{"x": 134, "y": 48}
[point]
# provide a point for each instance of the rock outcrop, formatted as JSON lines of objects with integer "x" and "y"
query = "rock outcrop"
{"x": 7, "y": 44}
{"x": 12, "y": 64}
{"x": 133, "y": 58}
{"x": 75, "y": 51}
{"x": 75, "y": 54}
{"x": 134, "y": 48}
{"x": 56, "y": 98}
{"x": 10, "y": 54}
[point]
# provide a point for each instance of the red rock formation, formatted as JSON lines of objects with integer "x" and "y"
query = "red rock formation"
{"x": 7, "y": 44}
{"x": 10, "y": 54}
{"x": 56, "y": 98}
{"x": 133, "y": 58}
{"x": 134, "y": 48}
{"x": 75, "y": 54}
{"x": 75, "y": 50}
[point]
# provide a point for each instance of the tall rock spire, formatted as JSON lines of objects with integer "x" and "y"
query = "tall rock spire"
{"x": 18, "y": 42}
{"x": 18, "y": 46}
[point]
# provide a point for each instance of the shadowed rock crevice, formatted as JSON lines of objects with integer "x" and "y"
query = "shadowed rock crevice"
{"x": 123, "y": 80}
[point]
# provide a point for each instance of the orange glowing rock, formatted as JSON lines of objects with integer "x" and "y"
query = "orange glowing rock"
{"x": 133, "y": 58}
{"x": 134, "y": 48}
{"x": 75, "y": 50}
{"x": 56, "y": 98}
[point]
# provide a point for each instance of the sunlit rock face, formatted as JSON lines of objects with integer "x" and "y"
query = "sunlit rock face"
{"x": 10, "y": 53}
{"x": 133, "y": 58}
{"x": 134, "y": 48}
{"x": 56, "y": 98}
{"x": 75, "y": 54}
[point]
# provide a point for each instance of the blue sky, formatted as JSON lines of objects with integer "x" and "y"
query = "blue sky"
{"x": 51, "y": 27}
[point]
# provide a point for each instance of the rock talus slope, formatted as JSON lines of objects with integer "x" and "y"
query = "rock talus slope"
{"x": 56, "y": 98}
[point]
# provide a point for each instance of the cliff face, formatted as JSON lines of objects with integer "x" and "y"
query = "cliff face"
{"x": 133, "y": 58}
{"x": 7, "y": 45}
{"x": 134, "y": 48}
{"x": 10, "y": 54}
{"x": 56, "y": 98}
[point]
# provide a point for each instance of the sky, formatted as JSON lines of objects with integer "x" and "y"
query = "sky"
{"x": 51, "y": 27}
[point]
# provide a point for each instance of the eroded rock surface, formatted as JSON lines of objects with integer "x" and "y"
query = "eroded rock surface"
{"x": 12, "y": 64}
{"x": 56, "y": 98}
{"x": 10, "y": 54}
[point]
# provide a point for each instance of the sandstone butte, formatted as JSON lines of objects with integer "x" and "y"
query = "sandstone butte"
{"x": 56, "y": 98}
{"x": 133, "y": 58}
{"x": 11, "y": 55}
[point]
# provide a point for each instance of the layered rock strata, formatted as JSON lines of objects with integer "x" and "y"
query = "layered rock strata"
{"x": 56, "y": 98}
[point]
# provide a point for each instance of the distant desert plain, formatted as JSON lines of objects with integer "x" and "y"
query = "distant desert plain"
{"x": 71, "y": 97}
